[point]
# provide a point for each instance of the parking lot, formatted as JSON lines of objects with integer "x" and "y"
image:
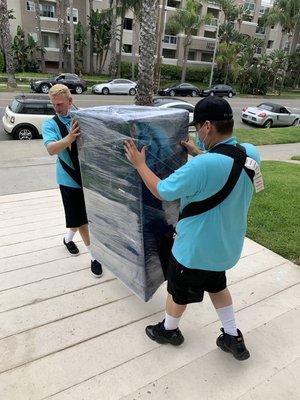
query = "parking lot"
{"x": 88, "y": 100}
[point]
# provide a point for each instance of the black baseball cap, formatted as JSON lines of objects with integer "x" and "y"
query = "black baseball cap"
{"x": 212, "y": 108}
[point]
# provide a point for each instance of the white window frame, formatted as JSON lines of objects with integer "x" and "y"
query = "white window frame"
{"x": 75, "y": 15}
{"x": 30, "y": 6}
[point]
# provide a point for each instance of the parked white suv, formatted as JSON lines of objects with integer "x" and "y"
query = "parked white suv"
{"x": 24, "y": 116}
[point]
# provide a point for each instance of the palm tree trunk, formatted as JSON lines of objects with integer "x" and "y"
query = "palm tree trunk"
{"x": 159, "y": 45}
{"x": 113, "y": 41}
{"x": 60, "y": 5}
{"x": 185, "y": 56}
{"x": 92, "y": 39}
{"x": 135, "y": 44}
{"x": 7, "y": 43}
{"x": 72, "y": 44}
{"x": 39, "y": 34}
{"x": 121, "y": 43}
{"x": 148, "y": 46}
{"x": 104, "y": 61}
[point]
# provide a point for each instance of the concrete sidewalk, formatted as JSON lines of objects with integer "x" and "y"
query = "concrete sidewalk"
{"x": 66, "y": 335}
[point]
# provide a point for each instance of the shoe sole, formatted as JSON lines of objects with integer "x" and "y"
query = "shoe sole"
{"x": 96, "y": 276}
{"x": 242, "y": 357}
{"x": 162, "y": 340}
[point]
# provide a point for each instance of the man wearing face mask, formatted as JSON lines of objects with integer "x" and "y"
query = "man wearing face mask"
{"x": 59, "y": 136}
{"x": 209, "y": 242}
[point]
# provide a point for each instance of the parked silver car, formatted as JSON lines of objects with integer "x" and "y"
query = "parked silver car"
{"x": 115, "y": 86}
{"x": 267, "y": 115}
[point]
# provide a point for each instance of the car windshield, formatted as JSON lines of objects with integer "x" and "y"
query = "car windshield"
{"x": 266, "y": 107}
{"x": 15, "y": 106}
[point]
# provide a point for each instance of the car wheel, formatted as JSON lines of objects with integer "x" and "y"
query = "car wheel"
{"x": 296, "y": 122}
{"x": 268, "y": 124}
{"x": 194, "y": 93}
{"x": 45, "y": 88}
{"x": 211, "y": 93}
{"x": 172, "y": 93}
{"x": 105, "y": 90}
{"x": 78, "y": 89}
{"x": 132, "y": 92}
{"x": 230, "y": 94}
{"x": 25, "y": 133}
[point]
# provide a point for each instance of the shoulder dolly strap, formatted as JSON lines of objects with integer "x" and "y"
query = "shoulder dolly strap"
{"x": 74, "y": 173}
{"x": 199, "y": 207}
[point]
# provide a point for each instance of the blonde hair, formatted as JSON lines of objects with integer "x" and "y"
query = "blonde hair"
{"x": 60, "y": 90}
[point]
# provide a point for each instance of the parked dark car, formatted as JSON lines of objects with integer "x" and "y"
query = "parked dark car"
{"x": 183, "y": 89}
{"x": 73, "y": 81}
{"x": 218, "y": 90}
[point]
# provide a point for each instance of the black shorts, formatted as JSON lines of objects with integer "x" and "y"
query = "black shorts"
{"x": 74, "y": 205}
{"x": 188, "y": 285}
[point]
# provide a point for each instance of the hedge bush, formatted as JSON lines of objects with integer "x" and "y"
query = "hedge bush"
{"x": 1, "y": 61}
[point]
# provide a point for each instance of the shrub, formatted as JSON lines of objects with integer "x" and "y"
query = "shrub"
{"x": 1, "y": 61}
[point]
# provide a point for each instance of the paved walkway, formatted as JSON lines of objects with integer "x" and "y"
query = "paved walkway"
{"x": 64, "y": 335}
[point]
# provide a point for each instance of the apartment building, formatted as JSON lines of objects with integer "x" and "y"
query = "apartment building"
{"x": 203, "y": 40}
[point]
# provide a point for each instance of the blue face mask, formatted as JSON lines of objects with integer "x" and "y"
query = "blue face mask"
{"x": 201, "y": 143}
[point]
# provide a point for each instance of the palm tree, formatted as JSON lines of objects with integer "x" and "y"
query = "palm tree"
{"x": 61, "y": 31}
{"x": 287, "y": 14}
{"x": 7, "y": 43}
{"x": 80, "y": 43}
{"x": 160, "y": 33}
{"x": 278, "y": 58}
{"x": 144, "y": 94}
{"x": 72, "y": 43}
{"x": 227, "y": 57}
{"x": 136, "y": 8}
{"x": 39, "y": 34}
{"x": 187, "y": 20}
{"x": 91, "y": 37}
{"x": 113, "y": 42}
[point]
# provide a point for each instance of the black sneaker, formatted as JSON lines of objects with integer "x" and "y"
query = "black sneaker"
{"x": 234, "y": 345}
{"x": 159, "y": 334}
{"x": 96, "y": 269}
{"x": 72, "y": 248}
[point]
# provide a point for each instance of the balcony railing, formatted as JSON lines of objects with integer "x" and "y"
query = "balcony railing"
{"x": 212, "y": 22}
{"x": 170, "y": 39}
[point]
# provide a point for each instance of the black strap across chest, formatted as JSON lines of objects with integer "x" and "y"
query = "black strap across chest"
{"x": 74, "y": 173}
{"x": 238, "y": 154}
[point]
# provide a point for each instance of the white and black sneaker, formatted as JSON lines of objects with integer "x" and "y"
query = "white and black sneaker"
{"x": 96, "y": 268}
{"x": 72, "y": 248}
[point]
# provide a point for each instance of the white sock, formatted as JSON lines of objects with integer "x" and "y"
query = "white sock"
{"x": 226, "y": 316}
{"x": 171, "y": 322}
{"x": 89, "y": 250}
{"x": 69, "y": 236}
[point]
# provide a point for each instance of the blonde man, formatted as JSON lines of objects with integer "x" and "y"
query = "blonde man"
{"x": 59, "y": 135}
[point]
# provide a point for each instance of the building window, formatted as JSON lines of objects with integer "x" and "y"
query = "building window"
{"x": 210, "y": 34}
{"x": 212, "y": 22}
{"x": 47, "y": 10}
{"x": 270, "y": 44}
{"x": 263, "y": 9}
{"x": 127, "y": 24}
{"x": 169, "y": 53}
{"x": 261, "y": 30}
{"x": 75, "y": 15}
{"x": 127, "y": 48}
{"x": 192, "y": 55}
{"x": 173, "y": 3}
{"x": 50, "y": 40}
{"x": 249, "y": 6}
{"x": 30, "y": 6}
{"x": 170, "y": 39}
{"x": 206, "y": 57}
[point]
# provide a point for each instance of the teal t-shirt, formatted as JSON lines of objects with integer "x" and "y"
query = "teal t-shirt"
{"x": 51, "y": 133}
{"x": 212, "y": 240}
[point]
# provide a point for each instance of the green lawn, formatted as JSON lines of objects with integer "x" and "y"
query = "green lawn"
{"x": 268, "y": 136}
{"x": 274, "y": 215}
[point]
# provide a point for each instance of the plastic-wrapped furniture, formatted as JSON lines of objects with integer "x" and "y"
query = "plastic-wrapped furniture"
{"x": 125, "y": 219}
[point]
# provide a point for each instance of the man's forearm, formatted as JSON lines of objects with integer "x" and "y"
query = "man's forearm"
{"x": 57, "y": 147}
{"x": 149, "y": 178}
